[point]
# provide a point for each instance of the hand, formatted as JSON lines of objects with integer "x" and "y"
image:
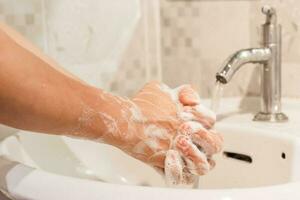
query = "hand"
{"x": 166, "y": 128}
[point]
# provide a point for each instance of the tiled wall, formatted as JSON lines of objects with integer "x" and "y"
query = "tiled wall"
{"x": 25, "y": 16}
{"x": 141, "y": 61}
{"x": 198, "y": 35}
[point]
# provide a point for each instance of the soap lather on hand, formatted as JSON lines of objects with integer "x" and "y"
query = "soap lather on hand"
{"x": 167, "y": 128}
{"x": 195, "y": 142}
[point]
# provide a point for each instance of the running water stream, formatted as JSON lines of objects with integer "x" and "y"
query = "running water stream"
{"x": 214, "y": 106}
{"x": 216, "y": 97}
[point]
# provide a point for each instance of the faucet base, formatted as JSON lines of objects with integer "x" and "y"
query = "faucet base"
{"x": 270, "y": 117}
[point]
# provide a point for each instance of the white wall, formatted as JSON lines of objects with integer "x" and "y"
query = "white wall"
{"x": 111, "y": 44}
{"x": 88, "y": 37}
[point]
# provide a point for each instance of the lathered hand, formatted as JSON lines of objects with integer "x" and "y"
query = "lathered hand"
{"x": 167, "y": 128}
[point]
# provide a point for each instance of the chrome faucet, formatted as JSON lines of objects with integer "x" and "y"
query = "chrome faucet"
{"x": 269, "y": 55}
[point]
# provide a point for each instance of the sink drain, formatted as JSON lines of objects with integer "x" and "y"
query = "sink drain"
{"x": 238, "y": 156}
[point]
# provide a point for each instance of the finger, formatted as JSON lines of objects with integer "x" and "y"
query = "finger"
{"x": 188, "y": 96}
{"x": 158, "y": 159}
{"x": 188, "y": 128}
{"x": 160, "y": 170}
{"x": 210, "y": 141}
{"x": 212, "y": 163}
{"x": 173, "y": 168}
{"x": 199, "y": 113}
{"x": 152, "y": 85}
{"x": 196, "y": 160}
{"x": 188, "y": 178}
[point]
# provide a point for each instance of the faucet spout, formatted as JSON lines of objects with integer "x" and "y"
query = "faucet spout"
{"x": 269, "y": 56}
{"x": 238, "y": 59}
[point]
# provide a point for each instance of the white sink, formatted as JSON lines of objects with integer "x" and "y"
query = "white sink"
{"x": 260, "y": 160}
{"x": 254, "y": 158}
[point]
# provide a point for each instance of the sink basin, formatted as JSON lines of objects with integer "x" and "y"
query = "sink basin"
{"x": 78, "y": 158}
{"x": 251, "y": 158}
{"x": 258, "y": 159}
{"x": 254, "y": 158}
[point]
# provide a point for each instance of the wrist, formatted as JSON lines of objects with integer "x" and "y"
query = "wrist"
{"x": 100, "y": 113}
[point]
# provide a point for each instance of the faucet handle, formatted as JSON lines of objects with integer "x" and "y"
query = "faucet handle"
{"x": 270, "y": 13}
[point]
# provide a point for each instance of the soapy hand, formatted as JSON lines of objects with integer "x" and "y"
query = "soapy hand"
{"x": 167, "y": 128}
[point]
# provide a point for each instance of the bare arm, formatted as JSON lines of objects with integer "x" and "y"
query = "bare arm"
{"x": 160, "y": 126}
{"x": 35, "y": 93}
{"x": 21, "y": 41}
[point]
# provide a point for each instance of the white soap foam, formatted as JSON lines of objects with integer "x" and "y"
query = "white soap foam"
{"x": 186, "y": 116}
{"x": 110, "y": 124}
{"x": 195, "y": 126}
{"x": 137, "y": 115}
{"x": 152, "y": 144}
{"x": 153, "y": 131}
{"x": 173, "y": 168}
{"x": 205, "y": 111}
{"x": 139, "y": 148}
{"x": 153, "y": 134}
{"x": 193, "y": 168}
{"x": 173, "y": 93}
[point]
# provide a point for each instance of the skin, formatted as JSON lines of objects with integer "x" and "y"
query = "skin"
{"x": 38, "y": 95}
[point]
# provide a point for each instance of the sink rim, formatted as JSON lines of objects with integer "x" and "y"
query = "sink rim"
{"x": 251, "y": 131}
{"x": 42, "y": 174}
{"x": 23, "y": 180}
{"x": 108, "y": 190}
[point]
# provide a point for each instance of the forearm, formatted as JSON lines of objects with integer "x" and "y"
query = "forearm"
{"x": 35, "y": 95}
{"x": 166, "y": 128}
{"x": 23, "y": 42}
